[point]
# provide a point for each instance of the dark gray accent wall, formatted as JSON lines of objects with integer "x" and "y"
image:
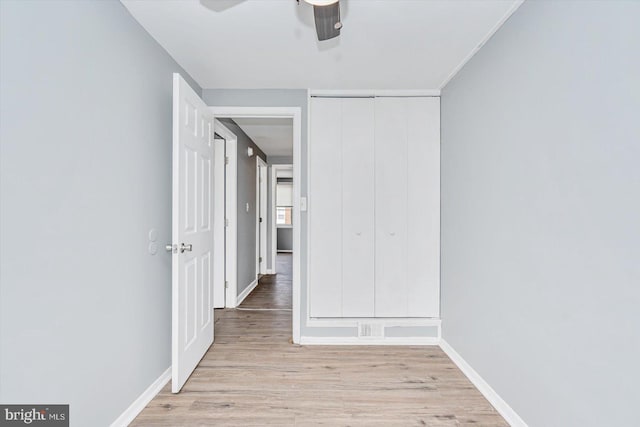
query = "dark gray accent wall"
{"x": 285, "y": 239}
{"x": 541, "y": 212}
{"x": 247, "y": 192}
{"x": 281, "y": 160}
{"x": 85, "y": 173}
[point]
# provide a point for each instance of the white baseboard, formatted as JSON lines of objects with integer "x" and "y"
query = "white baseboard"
{"x": 270, "y": 271}
{"x": 387, "y": 322}
{"x": 489, "y": 393}
{"x": 143, "y": 400}
{"x": 247, "y": 291}
{"x": 369, "y": 341}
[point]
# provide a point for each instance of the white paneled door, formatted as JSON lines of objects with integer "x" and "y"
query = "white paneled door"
{"x": 192, "y": 232}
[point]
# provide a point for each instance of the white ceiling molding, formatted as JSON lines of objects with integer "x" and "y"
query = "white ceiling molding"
{"x": 486, "y": 38}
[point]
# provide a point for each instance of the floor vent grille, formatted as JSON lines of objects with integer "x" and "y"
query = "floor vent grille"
{"x": 370, "y": 330}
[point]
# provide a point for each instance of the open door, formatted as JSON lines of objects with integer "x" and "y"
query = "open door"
{"x": 192, "y": 232}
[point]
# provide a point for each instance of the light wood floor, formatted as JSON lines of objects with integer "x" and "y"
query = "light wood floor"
{"x": 254, "y": 376}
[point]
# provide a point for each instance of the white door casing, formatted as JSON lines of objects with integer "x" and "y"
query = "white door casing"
{"x": 192, "y": 232}
{"x": 219, "y": 224}
{"x": 299, "y": 203}
{"x": 261, "y": 246}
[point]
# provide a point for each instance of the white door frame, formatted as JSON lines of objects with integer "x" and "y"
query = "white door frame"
{"x": 261, "y": 210}
{"x": 231, "y": 214}
{"x": 274, "y": 204}
{"x": 219, "y": 248}
{"x": 294, "y": 113}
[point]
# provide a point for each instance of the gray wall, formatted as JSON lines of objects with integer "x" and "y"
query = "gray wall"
{"x": 285, "y": 239}
{"x": 281, "y": 160}
{"x": 247, "y": 192}
{"x": 85, "y": 172}
{"x": 541, "y": 209}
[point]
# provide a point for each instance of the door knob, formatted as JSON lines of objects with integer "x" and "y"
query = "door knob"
{"x": 187, "y": 248}
{"x": 358, "y": 233}
{"x": 171, "y": 248}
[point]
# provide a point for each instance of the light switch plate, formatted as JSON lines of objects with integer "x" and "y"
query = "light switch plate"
{"x": 247, "y": 207}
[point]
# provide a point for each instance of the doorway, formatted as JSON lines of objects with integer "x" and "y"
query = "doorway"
{"x": 294, "y": 115}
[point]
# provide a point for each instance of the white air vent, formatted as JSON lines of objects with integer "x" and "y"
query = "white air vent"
{"x": 370, "y": 330}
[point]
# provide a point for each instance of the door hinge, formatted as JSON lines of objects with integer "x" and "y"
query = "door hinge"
{"x": 259, "y": 259}
{"x": 226, "y": 160}
{"x": 260, "y": 219}
{"x": 226, "y": 222}
{"x": 226, "y": 284}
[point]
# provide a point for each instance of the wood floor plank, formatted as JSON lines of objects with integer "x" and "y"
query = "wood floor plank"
{"x": 254, "y": 376}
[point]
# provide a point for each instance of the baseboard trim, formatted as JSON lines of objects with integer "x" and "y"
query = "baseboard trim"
{"x": 369, "y": 341}
{"x": 487, "y": 391}
{"x": 270, "y": 271}
{"x": 143, "y": 400}
{"x": 246, "y": 291}
{"x": 387, "y": 322}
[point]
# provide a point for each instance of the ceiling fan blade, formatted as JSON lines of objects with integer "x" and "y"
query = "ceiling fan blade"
{"x": 327, "y": 21}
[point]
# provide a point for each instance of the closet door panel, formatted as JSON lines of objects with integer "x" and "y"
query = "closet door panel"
{"x": 325, "y": 207}
{"x": 390, "y": 207}
{"x": 358, "y": 240}
{"x": 423, "y": 207}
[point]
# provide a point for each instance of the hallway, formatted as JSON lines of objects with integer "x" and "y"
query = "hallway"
{"x": 275, "y": 290}
{"x": 254, "y": 376}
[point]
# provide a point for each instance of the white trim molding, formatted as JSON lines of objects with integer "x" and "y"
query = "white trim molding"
{"x": 245, "y": 293}
{"x": 369, "y": 341}
{"x": 484, "y": 40}
{"x": 143, "y": 400}
{"x": 352, "y": 322}
{"x": 487, "y": 391}
{"x": 372, "y": 93}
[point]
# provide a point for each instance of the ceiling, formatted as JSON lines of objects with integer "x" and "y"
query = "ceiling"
{"x": 273, "y": 136}
{"x": 384, "y": 44}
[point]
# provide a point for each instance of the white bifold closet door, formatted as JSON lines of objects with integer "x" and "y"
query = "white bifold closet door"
{"x": 407, "y": 207}
{"x": 391, "y": 208}
{"x": 374, "y": 207}
{"x": 342, "y": 207}
{"x": 325, "y": 208}
{"x": 358, "y": 203}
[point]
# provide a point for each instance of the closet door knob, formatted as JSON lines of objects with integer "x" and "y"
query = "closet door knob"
{"x": 392, "y": 233}
{"x": 358, "y": 233}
